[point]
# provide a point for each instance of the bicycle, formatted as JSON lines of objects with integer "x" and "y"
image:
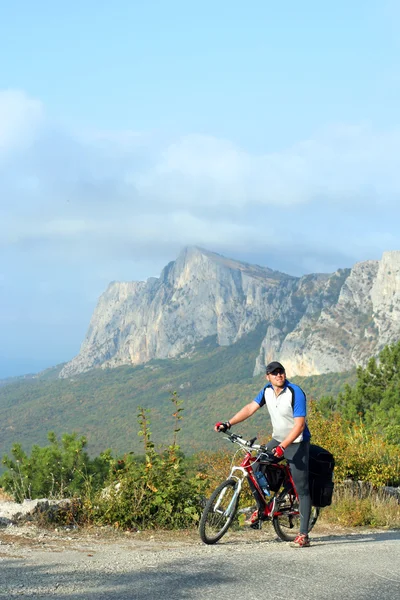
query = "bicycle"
{"x": 281, "y": 506}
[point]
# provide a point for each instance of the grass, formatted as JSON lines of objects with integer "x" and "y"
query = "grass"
{"x": 4, "y": 497}
{"x": 352, "y": 507}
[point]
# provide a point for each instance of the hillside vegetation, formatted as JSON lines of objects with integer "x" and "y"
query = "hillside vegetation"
{"x": 213, "y": 381}
{"x": 159, "y": 487}
{"x": 162, "y": 488}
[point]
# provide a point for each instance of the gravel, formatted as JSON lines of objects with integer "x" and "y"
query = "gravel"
{"x": 105, "y": 564}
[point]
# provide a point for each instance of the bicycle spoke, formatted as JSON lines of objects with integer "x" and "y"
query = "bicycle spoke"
{"x": 287, "y": 522}
{"x": 219, "y": 512}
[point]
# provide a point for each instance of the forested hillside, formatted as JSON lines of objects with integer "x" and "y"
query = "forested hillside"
{"x": 213, "y": 382}
{"x": 375, "y": 398}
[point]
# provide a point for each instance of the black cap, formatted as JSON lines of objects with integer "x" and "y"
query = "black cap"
{"x": 272, "y": 366}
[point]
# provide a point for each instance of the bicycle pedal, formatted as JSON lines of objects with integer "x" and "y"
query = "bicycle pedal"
{"x": 256, "y": 525}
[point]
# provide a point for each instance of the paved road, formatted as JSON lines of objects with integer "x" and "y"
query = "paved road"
{"x": 247, "y": 567}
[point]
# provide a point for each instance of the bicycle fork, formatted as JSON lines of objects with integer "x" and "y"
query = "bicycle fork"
{"x": 238, "y": 488}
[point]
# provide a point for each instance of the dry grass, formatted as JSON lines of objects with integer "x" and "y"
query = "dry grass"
{"x": 4, "y": 497}
{"x": 352, "y": 507}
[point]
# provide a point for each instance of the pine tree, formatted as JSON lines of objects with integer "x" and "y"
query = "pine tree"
{"x": 375, "y": 399}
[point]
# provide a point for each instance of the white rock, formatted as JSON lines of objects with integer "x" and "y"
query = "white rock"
{"x": 315, "y": 324}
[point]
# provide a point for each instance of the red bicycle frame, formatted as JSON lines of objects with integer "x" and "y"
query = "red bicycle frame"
{"x": 267, "y": 508}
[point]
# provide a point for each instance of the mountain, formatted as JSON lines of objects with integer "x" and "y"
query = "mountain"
{"x": 315, "y": 324}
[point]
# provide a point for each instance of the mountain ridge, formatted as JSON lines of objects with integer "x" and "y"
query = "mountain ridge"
{"x": 317, "y": 323}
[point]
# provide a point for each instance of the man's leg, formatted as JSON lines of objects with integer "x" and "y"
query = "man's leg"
{"x": 297, "y": 456}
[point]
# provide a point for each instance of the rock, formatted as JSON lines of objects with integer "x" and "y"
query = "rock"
{"x": 10, "y": 511}
{"x": 49, "y": 511}
{"x": 314, "y": 324}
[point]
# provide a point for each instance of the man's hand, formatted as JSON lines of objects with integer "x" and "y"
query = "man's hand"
{"x": 278, "y": 451}
{"x": 220, "y": 426}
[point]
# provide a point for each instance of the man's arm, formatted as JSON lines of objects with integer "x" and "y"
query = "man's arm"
{"x": 243, "y": 414}
{"x": 298, "y": 427}
{"x": 299, "y": 415}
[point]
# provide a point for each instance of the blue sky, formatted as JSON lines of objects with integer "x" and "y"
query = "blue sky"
{"x": 128, "y": 130}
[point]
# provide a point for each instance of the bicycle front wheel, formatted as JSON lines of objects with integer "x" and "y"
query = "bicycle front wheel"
{"x": 287, "y": 522}
{"x": 219, "y": 512}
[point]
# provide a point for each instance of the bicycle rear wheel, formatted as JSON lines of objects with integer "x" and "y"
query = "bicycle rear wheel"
{"x": 219, "y": 512}
{"x": 287, "y": 523}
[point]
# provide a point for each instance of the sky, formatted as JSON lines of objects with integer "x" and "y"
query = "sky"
{"x": 267, "y": 132}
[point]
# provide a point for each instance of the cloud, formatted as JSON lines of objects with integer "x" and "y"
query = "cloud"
{"x": 80, "y": 209}
{"x": 20, "y": 118}
{"x": 337, "y": 163}
{"x": 76, "y": 196}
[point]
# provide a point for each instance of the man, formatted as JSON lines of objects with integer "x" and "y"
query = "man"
{"x": 286, "y": 404}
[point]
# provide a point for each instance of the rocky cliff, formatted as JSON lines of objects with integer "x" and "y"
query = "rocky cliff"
{"x": 314, "y": 324}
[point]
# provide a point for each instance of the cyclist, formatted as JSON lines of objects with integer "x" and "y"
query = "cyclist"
{"x": 286, "y": 404}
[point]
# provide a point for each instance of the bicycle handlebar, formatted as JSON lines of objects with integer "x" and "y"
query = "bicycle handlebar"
{"x": 236, "y": 438}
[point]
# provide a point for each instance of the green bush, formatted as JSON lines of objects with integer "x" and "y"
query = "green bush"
{"x": 59, "y": 470}
{"x": 156, "y": 494}
{"x": 131, "y": 492}
{"x": 360, "y": 453}
{"x": 375, "y": 397}
{"x": 149, "y": 493}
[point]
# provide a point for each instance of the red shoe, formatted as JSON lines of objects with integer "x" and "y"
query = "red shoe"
{"x": 254, "y": 520}
{"x": 254, "y": 517}
{"x": 301, "y": 541}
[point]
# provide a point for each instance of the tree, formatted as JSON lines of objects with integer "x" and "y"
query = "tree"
{"x": 376, "y": 396}
{"x": 57, "y": 470}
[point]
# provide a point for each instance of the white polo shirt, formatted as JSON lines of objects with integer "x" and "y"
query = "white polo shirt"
{"x": 290, "y": 403}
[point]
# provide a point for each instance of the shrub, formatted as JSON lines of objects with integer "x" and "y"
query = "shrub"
{"x": 154, "y": 492}
{"x": 58, "y": 470}
{"x": 375, "y": 397}
{"x": 360, "y": 454}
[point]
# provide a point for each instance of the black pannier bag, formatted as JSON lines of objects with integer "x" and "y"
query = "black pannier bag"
{"x": 274, "y": 476}
{"x": 321, "y": 465}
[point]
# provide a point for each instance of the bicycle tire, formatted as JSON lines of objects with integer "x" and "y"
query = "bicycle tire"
{"x": 287, "y": 524}
{"x": 214, "y": 524}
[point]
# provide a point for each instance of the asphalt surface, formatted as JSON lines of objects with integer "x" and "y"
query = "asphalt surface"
{"x": 249, "y": 566}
